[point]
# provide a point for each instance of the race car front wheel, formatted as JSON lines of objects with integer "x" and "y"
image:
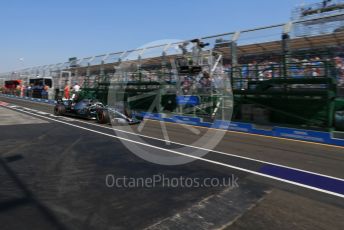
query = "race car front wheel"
{"x": 103, "y": 117}
{"x": 59, "y": 110}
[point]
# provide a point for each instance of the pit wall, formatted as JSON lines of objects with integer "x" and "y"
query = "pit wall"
{"x": 281, "y": 132}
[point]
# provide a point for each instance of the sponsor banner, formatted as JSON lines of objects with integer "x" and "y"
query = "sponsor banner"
{"x": 188, "y": 100}
{"x": 169, "y": 120}
{"x": 155, "y": 116}
{"x": 335, "y": 141}
{"x": 299, "y": 134}
{"x": 218, "y": 124}
{"x": 187, "y": 120}
{"x": 206, "y": 124}
{"x": 233, "y": 126}
{"x": 262, "y": 132}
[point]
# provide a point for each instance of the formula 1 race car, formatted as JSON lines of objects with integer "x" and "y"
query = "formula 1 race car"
{"x": 86, "y": 108}
{"x": 93, "y": 109}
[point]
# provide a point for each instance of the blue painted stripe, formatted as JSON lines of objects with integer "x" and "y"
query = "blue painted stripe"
{"x": 305, "y": 178}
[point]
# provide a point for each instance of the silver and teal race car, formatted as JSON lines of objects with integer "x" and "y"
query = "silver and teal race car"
{"x": 93, "y": 109}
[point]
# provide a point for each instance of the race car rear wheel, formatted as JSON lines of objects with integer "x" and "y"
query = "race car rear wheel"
{"x": 103, "y": 116}
{"x": 59, "y": 110}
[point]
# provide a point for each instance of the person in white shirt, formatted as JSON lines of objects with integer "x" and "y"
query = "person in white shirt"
{"x": 76, "y": 87}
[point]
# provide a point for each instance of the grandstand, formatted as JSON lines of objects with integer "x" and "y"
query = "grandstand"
{"x": 313, "y": 17}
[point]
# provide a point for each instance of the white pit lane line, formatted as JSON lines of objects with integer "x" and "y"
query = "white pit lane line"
{"x": 198, "y": 158}
{"x": 36, "y": 111}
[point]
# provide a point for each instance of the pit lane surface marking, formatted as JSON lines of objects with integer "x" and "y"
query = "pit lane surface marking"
{"x": 185, "y": 145}
{"x": 194, "y": 157}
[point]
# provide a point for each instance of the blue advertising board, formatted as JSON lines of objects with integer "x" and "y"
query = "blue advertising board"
{"x": 188, "y": 100}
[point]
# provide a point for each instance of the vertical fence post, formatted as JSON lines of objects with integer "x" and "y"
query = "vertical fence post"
{"x": 234, "y": 57}
{"x": 285, "y": 47}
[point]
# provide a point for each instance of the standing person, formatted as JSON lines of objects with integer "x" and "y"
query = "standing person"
{"x": 66, "y": 91}
{"x": 45, "y": 92}
{"x": 29, "y": 90}
{"x": 339, "y": 69}
{"x": 75, "y": 91}
{"x": 76, "y": 87}
{"x": 18, "y": 90}
{"x": 22, "y": 90}
{"x": 186, "y": 85}
{"x": 205, "y": 82}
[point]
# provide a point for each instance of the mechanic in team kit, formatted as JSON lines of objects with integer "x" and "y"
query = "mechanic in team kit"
{"x": 66, "y": 91}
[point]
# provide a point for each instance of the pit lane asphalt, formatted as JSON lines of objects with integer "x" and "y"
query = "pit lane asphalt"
{"x": 53, "y": 175}
{"x": 80, "y": 173}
